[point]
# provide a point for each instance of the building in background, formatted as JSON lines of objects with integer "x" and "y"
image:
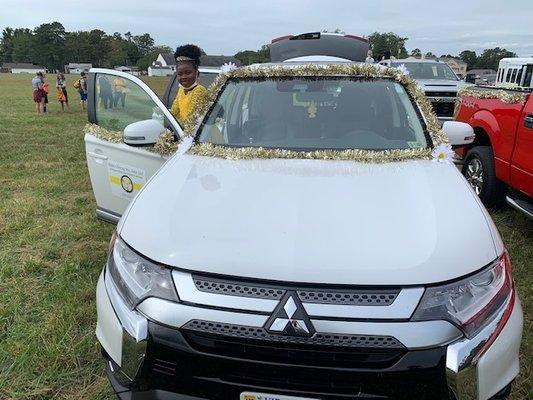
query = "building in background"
{"x": 165, "y": 64}
{"x": 77, "y": 68}
{"x": 458, "y": 66}
{"x": 21, "y": 68}
{"x": 130, "y": 70}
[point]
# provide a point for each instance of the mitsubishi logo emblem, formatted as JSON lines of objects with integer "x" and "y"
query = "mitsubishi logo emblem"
{"x": 290, "y": 318}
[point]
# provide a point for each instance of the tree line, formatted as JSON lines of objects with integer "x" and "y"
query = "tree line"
{"x": 51, "y": 46}
{"x": 389, "y": 42}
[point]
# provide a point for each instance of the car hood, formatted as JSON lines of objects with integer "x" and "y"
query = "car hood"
{"x": 436, "y": 85}
{"x": 311, "y": 221}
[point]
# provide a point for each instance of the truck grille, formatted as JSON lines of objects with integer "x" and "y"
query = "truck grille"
{"x": 441, "y": 94}
{"x": 443, "y": 109}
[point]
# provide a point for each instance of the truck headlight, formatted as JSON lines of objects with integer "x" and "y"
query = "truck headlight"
{"x": 472, "y": 302}
{"x": 137, "y": 278}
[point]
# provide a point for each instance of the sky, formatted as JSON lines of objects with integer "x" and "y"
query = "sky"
{"x": 226, "y": 27}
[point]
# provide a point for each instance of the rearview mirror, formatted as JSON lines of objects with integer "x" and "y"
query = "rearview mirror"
{"x": 458, "y": 133}
{"x": 143, "y": 132}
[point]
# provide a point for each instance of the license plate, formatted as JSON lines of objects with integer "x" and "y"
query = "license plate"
{"x": 266, "y": 396}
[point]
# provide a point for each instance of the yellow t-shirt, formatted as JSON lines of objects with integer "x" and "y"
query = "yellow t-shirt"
{"x": 186, "y": 101}
{"x": 119, "y": 84}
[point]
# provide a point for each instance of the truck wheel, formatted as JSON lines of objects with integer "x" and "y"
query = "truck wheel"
{"x": 478, "y": 169}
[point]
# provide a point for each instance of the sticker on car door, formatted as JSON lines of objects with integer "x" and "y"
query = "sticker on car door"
{"x": 125, "y": 180}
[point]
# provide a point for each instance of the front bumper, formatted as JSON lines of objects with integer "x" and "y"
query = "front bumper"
{"x": 165, "y": 363}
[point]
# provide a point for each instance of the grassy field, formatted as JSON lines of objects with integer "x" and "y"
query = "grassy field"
{"x": 52, "y": 249}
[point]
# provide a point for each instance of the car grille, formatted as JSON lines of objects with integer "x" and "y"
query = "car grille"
{"x": 354, "y": 297}
{"x": 216, "y": 367}
{"x": 254, "y": 333}
{"x": 256, "y": 344}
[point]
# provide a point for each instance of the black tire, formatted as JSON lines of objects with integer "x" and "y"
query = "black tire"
{"x": 478, "y": 169}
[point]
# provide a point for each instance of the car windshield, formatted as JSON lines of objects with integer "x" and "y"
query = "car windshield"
{"x": 429, "y": 70}
{"x": 311, "y": 114}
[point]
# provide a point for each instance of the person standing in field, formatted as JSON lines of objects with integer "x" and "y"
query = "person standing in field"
{"x": 190, "y": 92}
{"x": 106, "y": 92}
{"x": 369, "y": 57}
{"x": 37, "y": 86}
{"x": 46, "y": 90}
{"x": 83, "y": 90}
{"x": 62, "y": 96}
{"x": 119, "y": 85}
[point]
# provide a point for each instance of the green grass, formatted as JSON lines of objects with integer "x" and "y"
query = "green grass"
{"x": 52, "y": 249}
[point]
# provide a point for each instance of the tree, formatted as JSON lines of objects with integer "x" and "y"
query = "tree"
{"x": 6, "y": 45}
{"x": 383, "y": 42}
{"x": 78, "y": 47}
{"x": 144, "y": 43}
{"x": 416, "y": 53}
{"x": 490, "y": 58}
{"x": 248, "y": 57}
{"x": 99, "y": 46}
{"x": 469, "y": 57}
{"x": 429, "y": 54}
{"x": 48, "y": 45}
{"x": 22, "y": 45}
{"x": 117, "y": 54}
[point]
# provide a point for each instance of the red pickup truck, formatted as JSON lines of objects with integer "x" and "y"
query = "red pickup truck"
{"x": 499, "y": 163}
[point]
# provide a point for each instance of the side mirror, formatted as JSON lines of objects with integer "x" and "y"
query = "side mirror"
{"x": 458, "y": 133}
{"x": 143, "y": 132}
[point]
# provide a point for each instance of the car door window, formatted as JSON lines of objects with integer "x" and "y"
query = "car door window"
{"x": 120, "y": 102}
{"x": 205, "y": 79}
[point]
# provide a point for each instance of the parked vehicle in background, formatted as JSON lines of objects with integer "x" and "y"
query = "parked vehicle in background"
{"x": 324, "y": 44}
{"x": 487, "y": 80}
{"x": 480, "y": 76}
{"x": 437, "y": 80}
{"x": 515, "y": 73}
{"x": 499, "y": 164}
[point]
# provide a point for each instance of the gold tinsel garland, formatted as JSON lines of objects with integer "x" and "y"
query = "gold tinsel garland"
{"x": 166, "y": 145}
{"x": 104, "y": 134}
{"x": 363, "y": 71}
{"x": 490, "y": 93}
{"x": 364, "y": 156}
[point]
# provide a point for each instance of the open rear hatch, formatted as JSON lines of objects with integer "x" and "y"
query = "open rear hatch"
{"x": 348, "y": 47}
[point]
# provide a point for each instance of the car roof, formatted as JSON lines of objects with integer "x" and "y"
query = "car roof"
{"x": 299, "y": 63}
{"x": 416, "y": 60}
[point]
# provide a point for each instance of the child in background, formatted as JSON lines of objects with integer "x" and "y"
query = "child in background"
{"x": 38, "y": 98}
{"x": 62, "y": 96}
{"x": 83, "y": 91}
{"x": 46, "y": 90}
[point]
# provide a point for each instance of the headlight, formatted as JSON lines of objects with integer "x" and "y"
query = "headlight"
{"x": 136, "y": 277}
{"x": 470, "y": 303}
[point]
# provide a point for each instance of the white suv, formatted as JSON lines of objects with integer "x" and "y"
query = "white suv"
{"x": 278, "y": 259}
